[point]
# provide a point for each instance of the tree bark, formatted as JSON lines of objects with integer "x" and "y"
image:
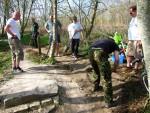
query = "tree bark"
{"x": 26, "y": 7}
{"x": 6, "y": 14}
{"x": 52, "y": 50}
{"x": 143, "y": 10}
{"x": 88, "y": 32}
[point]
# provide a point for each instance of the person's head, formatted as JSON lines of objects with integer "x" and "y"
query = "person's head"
{"x": 51, "y": 17}
{"x": 16, "y": 15}
{"x": 133, "y": 11}
{"x": 33, "y": 20}
{"x": 74, "y": 19}
{"x": 70, "y": 19}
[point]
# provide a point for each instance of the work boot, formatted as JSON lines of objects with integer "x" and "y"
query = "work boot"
{"x": 111, "y": 104}
{"x": 14, "y": 69}
{"x": 97, "y": 88}
{"x": 19, "y": 69}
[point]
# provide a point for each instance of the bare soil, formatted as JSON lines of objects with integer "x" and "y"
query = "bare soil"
{"x": 76, "y": 94}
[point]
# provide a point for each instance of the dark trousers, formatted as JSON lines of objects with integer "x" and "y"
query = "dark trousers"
{"x": 34, "y": 40}
{"x": 75, "y": 46}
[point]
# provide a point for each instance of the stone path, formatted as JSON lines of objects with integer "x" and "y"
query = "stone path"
{"x": 33, "y": 85}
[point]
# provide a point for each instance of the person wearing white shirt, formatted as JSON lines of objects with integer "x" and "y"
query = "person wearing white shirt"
{"x": 74, "y": 30}
{"x": 13, "y": 33}
{"x": 134, "y": 40}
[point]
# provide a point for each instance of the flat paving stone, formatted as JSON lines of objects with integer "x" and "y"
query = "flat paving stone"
{"x": 20, "y": 91}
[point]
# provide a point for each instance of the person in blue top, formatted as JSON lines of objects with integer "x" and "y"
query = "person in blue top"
{"x": 98, "y": 56}
{"x": 49, "y": 28}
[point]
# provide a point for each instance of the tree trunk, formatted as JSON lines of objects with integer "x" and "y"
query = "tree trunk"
{"x": 143, "y": 10}
{"x": 52, "y": 50}
{"x": 6, "y": 14}
{"x": 24, "y": 21}
{"x": 88, "y": 32}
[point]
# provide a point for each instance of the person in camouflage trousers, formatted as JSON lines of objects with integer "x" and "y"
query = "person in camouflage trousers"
{"x": 98, "y": 56}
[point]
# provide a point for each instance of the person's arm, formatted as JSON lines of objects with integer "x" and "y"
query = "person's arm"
{"x": 37, "y": 26}
{"x": 69, "y": 31}
{"x": 79, "y": 28}
{"x": 37, "y": 29}
{"x": 116, "y": 54}
{"x": 82, "y": 36}
{"x": 59, "y": 24}
{"x": 46, "y": 25}
{"x": 7, "y": 29}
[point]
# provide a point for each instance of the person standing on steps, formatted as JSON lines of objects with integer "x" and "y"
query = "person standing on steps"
{"x": 49, "y": 28}
{"x": 98, "y": 56}
{"x": 74, "y": 30}
{"x": 35, "y": 33}
{"x": 13, "y": 33}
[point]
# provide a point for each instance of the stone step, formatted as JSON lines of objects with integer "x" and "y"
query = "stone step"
{"x": 29, "y": 91}
{"x": 38, "y": 106}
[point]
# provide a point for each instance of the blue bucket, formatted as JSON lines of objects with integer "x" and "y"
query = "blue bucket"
{"x": 113, "y": 58}
{"x": 121, "y": 58}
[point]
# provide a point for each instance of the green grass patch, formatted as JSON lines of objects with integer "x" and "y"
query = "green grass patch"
{"x": 5, "y": 57}
{"x": 4, "y": 46}
{"x": 84, "y": 48}
{"x": 40, "y": 59}
{"x": 27, "y": 37}
{"x": 147, "y": 109}
{"x": 44, "y": 40}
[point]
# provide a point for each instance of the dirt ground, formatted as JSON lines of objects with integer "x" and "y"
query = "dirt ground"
{"x": 76, "y": 96}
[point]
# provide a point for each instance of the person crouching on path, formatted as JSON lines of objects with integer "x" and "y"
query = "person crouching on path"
{"x": 13, "y": 34}
{"x": 98, "y": 56}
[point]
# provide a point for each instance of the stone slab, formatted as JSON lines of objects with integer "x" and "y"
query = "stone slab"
{"x": 16, "y": 93}
{"x": 44, "y": 106}
{"x": 18, "y": 109}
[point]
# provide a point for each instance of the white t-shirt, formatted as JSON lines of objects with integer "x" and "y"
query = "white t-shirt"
{"x": 133, "y": 30}
{"x": 14, "y": 27}
{"x": 71, "y": 29}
